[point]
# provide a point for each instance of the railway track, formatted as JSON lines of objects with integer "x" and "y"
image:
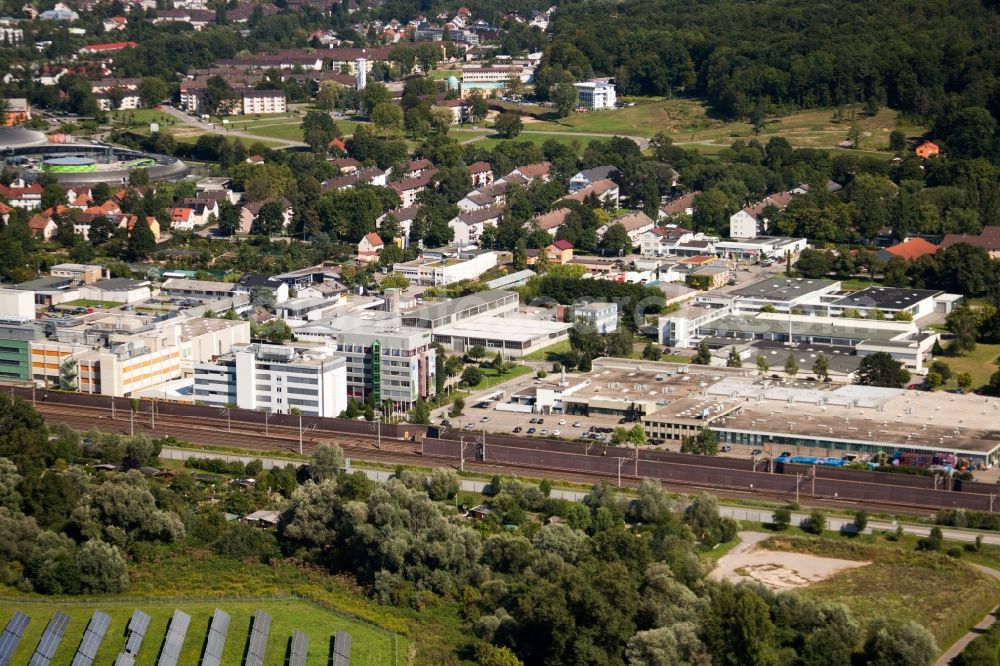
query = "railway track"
{"x": 284, "y": 439}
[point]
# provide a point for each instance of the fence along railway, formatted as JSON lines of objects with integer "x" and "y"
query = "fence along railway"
{"x": 409, "y": 443}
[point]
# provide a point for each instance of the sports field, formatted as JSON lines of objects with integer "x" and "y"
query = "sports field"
{"x": 370, "y": 645}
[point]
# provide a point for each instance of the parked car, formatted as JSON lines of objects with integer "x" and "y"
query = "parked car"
{"x": 562, "y": 421}
{"x": 756, "y": 452}
{"x": 517, "y": 429}
{"x": 577, "y": 425}
{"x": 469, "y": 426}
{"x": 543, "y": 431}
{"x": 446, "y": 423}
{"x": 540, "y": 421}
{"x": 534, "y": 419}
{"x": 555, "y": 433}
{"x": 531, "y": 431}
{"x": 726, "y": 448}
{"x": 484, "y": 419}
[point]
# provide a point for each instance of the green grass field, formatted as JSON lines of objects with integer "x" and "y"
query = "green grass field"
{"x": 940, "y": 593}
{"x": 144, "y": 117}
{"x": 981, "y": 363}
{"x": 687, "y": 121}
{"x": 369, "y": 644}
{"x": 550, "y": 353}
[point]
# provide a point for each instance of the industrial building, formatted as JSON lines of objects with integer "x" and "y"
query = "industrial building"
{"x": 674, "y": 401}
{"x": 275, "y": 378}
{"x": 514, "y": 336}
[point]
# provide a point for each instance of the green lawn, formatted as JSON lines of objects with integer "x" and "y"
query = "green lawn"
{"x": 538, "y": 139}
{"x": 980, "y": 363}
{"x": 88, "y": 303}
{"x": 942, "y": 594}
{"x": 144, "y": 117}
{"x": 491, "y": 378}
{"x": 550, "y": 353}
{"x": 687, "y": 121}
{"x": 857, "y": 284}
{"x": 369, "y": 644}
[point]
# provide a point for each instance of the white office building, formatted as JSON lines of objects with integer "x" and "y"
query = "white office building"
{"x": 596, "y": 94}
{"x": 604, "y": 316}
{"x": 361, "y": 73}
{"x": 275, "y": 378}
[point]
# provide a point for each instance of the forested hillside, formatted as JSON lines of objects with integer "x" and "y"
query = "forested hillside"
{"x": 914, "y": 55}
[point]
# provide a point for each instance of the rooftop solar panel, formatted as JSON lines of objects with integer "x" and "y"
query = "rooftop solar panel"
{"x": 216, "y": 639}
{"x": 258, "y": 639}
{"x": 300, "y": 649}
{"x": 50, "y": 640}
{"x": 342, "y": 649}
{"x": 175, "y": 639}
{"x": 92, "y": 637}
{"x": 11, "y": 636}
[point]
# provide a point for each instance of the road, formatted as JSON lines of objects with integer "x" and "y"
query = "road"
{"x": 213, "y": 128}
{"x": 975, "y": 632}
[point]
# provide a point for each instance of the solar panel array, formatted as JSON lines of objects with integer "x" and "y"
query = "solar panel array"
{"x": 11, "y": 636}
{"x": 342, "y": 649}
{"x": 216, "y": 639}
{"x": 300, "y": 649}
{"x": 92, "y": 637}
{"x": 50, "y": 640}
{"x": 136, "y": 633}
{"x": 175, "y": 639}
{"x": 258, "y": 639}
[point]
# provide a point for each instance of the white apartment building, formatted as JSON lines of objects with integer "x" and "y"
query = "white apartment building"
{"x": 275, "y": 378}
{"x": 263, "y": 101}
{"x": 596, "y": 94}
{"x": 604, "y": 316}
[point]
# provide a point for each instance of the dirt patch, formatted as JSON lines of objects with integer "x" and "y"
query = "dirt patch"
{"x": 775, "y": 569}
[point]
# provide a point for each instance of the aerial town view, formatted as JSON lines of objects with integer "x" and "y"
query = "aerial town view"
{"x": 509, "y": 333}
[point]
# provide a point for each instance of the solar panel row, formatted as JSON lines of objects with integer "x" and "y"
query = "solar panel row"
{"x": 216, "y": 639}
{"x": 11, "y": 636}
{"x": 136, "y": 633}
{"x": 300, "y": 649}
{"x": 92, "y": 637}
{"x": 50, "y": 639}
{"x": 258, "y": 639}
{"x": 342, "y": 649}
{"x": 175, "y": 639}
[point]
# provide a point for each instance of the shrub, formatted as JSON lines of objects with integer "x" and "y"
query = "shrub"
{"x": 781, "y": 518}
{"x": 816, "y": 523}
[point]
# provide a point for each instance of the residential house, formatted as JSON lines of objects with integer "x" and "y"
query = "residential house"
{"x": 182, "y": 218}
{"x": 559, "y": 252}
{"x": 635, "y": 224}
{"x": 927, "y": 150}
{"x": 482, "y": 174}
{"x": 128, "y": 222}
{"x": 369, "y": 248}
{"x": 409, "y": 188}
{"x": 470, "y": 225}
{"x": 910, "y": 249}
{"x": 251, "y": 210}
{"x": 988, "y": 239}
{"x": 22, "y": 195}
{"x": 590, "y": 176}
{"x": 251, "y": 282}
{"x": 596, "y": 95}
{"x": 417, "y": 167}
{"x": 662, "y": 241}
{"x": 44, "y": 227}
{"x": 204, "y": 208}
{"x": 752, "y": 220}
{"x": 550, "y": 222}
{"x": 531, "y": 172}
{"x": 682, "y": 205}
{"x": 405, "y": 217}
{"x": 365, "y": 176}
{"x": 101, "y": 49}
{"x": 456, "y": 107}
{"x": 606, "y": 191}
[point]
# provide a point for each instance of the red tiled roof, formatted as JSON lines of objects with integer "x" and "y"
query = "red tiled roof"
{"x": 912, "y": 249}
{"x": 373, "y": 239}
{"x": 479, "y": 167}
{"x": 562, "y": 245}
{"x": 112, "y": 46}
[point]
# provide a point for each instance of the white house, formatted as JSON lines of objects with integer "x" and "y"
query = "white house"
{"x": 596, "y": 94}
{"x": 470, "y": 225}
{"x": 635, "y": 224}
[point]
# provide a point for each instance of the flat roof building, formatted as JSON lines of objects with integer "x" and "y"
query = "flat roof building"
{"x": 494, "y": 302}
{"x": 515, "y": 337}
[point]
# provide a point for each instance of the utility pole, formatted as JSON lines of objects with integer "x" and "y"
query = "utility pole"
{"x": 620, "y": 461}
{"x": 32, "y": 394}
{"x": 131, "y": 423}
{"x": 798, "y": 482}
{"x": 300, "y": 433}
{"x": 113, "y": 416}
{"x": 267, "y": 415}
{"x": 152, "y": 414}
{"x": 378, "y": 429}
{"x": 461, "y": 457}
{"x": 484, "y": 442}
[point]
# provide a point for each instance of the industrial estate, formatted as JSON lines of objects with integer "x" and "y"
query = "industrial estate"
{"x": 639, "y": 333}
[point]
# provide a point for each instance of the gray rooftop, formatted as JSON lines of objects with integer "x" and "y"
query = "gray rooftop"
{"x": 885, "y": 298}
{"x": 783, "y": 289}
